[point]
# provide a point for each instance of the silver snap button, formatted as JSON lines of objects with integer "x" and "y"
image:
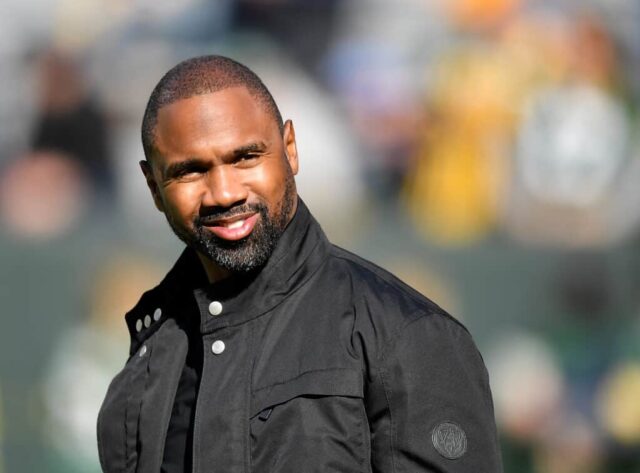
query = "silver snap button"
{"x": 143, "y": 350}
{"x": 157, "y": 314}
{"x": 147, "y": 320}
{"x": 217, "y": 347}
{"x": 138, "y": 325}
{"x": 215, "y": 308}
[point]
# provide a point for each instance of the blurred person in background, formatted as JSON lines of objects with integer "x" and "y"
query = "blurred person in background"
{"x": 304, "y": 28}
{"x": 48, "y": 187}
{"x": 43, "y": 195}
{"x": 460, "y": 166}
{"x": 265, "y": 344}
{"x": 90, "y": 351}
{"x": 375, "y": 66}
{"x": 70, "y": 121}
{"x": 573, "y": 144}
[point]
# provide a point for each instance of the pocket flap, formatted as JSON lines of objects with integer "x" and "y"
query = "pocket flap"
{"x": 327, "y": 382}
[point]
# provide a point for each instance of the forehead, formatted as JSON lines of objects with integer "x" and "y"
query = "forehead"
{"x": 217, "y": 122}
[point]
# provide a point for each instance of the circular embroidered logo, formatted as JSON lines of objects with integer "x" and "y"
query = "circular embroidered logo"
{"x": 449, "y": 440}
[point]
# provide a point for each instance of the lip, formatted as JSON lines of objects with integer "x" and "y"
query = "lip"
{"x": 241, "y": 226}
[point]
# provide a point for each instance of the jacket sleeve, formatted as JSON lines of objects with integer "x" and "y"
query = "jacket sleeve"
{"x": 429, "y": 405}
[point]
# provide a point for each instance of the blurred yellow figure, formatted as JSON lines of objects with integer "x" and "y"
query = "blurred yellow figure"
{"x": 459, "y": 188}
{"x": 619, "y": 405}
{"x": 462, "y": 168}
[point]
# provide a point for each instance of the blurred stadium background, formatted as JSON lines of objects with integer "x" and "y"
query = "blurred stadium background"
{"x": 487, "y": 151}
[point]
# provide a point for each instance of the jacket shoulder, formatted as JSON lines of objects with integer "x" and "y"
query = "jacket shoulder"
{"x": 390, "y": 304}
{"x": 372, "y": 280}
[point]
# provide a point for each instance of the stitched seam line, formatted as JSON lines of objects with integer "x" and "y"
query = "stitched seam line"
{"x": 146, "y": 385}
{"x": 300, "y": 376}
{"x": 247, "y": 403}
{"x": 392, "y": 433}
{"x": 126, "y": 429}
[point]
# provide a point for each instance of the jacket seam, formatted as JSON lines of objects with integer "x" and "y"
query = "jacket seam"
{"x": 127, "y": 408}
{"x": 362, "y": 450}
{"x": 384, "y": 355}
{"x": 146, "y": 386}
{"x": 392, "y": 433}
{"x": 248, "y": 466}
{"x": 385, "y": 385}
{"x": 167, "y": 415}
{"x": 279, "y": 383}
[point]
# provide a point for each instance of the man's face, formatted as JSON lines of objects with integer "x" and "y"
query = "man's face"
{"x": 223, "y": 176}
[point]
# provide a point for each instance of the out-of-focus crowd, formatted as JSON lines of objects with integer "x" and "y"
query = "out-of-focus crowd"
{"x": 486, "y": 151}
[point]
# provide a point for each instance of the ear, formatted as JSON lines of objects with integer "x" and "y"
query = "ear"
{"x": 290, "y": 148}
{"x": 147, "y": 170}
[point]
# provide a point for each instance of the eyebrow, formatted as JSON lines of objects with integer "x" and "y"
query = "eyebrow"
{"x": 257, "y": 147}
{"x": 175, "y": 169}
{"x": 188, "y": 164}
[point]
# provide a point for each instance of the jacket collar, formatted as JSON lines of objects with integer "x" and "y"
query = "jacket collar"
{"x": 185, "y": 291}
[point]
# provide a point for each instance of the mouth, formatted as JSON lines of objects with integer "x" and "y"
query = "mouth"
{"x": 233, "y": 228}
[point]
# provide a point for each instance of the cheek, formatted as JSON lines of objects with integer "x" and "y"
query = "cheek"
{"x": 182, "y": 201}
{"x": 269, "y": 182}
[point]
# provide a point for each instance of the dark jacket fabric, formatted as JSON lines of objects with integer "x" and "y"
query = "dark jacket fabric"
{"x": 320, "y": 362}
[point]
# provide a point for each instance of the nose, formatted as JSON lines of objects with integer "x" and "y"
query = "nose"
{"x": 224, "y": 188}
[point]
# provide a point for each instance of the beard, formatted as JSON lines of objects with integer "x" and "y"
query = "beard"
{"x": 246, "y": 254}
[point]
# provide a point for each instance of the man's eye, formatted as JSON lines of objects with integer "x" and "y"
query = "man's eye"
{"x": 246, "y": 159}
{"x": 192, "y": 172}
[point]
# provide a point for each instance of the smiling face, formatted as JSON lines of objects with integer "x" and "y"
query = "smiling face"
{"x": 222, "y": 173}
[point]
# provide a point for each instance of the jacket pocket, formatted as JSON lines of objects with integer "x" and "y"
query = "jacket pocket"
{"x": 315, "y": 422}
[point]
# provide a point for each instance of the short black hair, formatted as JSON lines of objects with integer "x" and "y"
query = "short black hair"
{"x": 198, "y": 76}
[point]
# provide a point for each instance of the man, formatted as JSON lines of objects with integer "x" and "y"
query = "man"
{"x": 265, "y": 348}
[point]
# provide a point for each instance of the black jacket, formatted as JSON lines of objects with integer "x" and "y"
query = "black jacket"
{"x": 322, "y": 362}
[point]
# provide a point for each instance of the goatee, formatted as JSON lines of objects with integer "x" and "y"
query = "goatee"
{"x": 246, "y": 254}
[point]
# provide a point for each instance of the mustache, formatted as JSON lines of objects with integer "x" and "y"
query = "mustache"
{"x": 210, "y": 215}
